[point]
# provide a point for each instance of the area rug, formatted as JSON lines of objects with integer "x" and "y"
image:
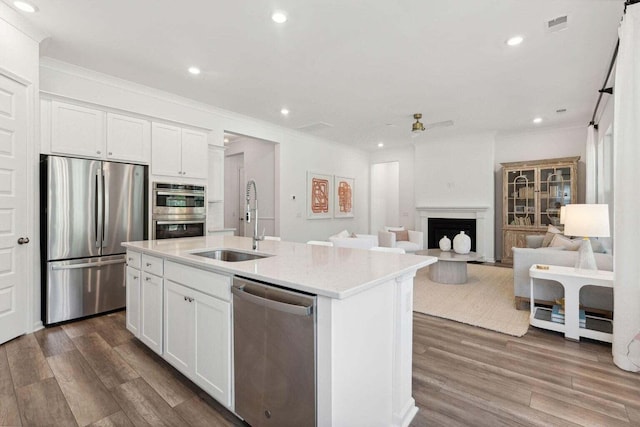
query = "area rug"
{"x": 486, "y": 300}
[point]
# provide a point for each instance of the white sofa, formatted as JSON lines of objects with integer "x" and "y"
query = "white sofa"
{"x": 388, "y": 239}
{"x": 546, "y": 290}
{"x": 361, "y": 241}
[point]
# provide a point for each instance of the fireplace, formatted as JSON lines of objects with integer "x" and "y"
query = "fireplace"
{"x": 450, "y": 227}
{"x": 482, "y": 215}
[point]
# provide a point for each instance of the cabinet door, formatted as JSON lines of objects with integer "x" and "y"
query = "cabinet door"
{"x": 151, "y": 311}
{"x": 77, "y": 130}
{"x": 128, "y": 138}
{"x": 133, "y": 300}
{"x": 166, "y": 151}
{"x": 179, "y": 320}
{"x": 194, "y": 154}
{"x": 213, "y": 347}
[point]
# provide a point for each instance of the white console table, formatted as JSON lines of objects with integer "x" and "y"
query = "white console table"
{"x": 572, "y": 280}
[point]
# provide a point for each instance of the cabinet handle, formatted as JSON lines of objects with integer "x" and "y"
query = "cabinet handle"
{"x": 110, "y": 153}
{"x": 148, "y": 264}
{"x": 130, "y": 258}
{"x": 98, "y": 151}
{"x": 190, "y": 299}
{"x": 135, "y": 277}
{"x": 148, "y": 279}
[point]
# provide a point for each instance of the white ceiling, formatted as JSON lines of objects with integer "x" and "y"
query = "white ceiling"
{"x": 357, "y": 65}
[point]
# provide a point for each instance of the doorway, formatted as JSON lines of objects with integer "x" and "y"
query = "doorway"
{"x": 385, "y": 195}
{"x": 248, "y": 158}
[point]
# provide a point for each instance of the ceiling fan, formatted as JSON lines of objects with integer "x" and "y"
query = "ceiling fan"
{"x": 418, "y": 127}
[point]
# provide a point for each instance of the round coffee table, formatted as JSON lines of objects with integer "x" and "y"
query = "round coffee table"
{"x": 451, "y": 267}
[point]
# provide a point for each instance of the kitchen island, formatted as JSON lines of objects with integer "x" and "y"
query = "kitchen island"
{"x": 363, "y": 323}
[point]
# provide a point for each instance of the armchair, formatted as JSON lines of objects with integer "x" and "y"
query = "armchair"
{"x": 389, "y": 239}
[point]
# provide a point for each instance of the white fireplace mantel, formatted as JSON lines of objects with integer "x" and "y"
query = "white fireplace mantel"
{"x": 484, "y": 232}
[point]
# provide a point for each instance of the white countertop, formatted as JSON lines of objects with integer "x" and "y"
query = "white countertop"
{"x": 213, "y": 230}
{"x": 321, "y": 270}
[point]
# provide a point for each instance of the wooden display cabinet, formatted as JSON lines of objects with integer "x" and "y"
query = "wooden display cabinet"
{"x": 533, "y": 192}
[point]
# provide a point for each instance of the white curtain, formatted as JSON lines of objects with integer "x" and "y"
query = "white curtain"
{"x": 626, "y": 147}
{"x": 591, "y": 165}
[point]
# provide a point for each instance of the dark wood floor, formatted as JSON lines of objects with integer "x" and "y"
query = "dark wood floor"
{"x": 93, "y": 372}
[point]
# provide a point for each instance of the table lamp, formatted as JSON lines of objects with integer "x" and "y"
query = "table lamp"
{"x": 586, "y": 221}
{"x": 563, "y": 214}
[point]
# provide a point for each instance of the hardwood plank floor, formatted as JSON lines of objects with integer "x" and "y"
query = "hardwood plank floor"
{"x": 93, "y": 372}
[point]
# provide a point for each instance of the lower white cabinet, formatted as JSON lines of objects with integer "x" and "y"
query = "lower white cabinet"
{"x": 197, "y": 337}
{"x": 151, "y": 311}
{"x": 133, "y": 300}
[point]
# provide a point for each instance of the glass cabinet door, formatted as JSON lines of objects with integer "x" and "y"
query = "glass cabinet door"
{"x": 521, "y": 197}
{"x": 555, "y": 192}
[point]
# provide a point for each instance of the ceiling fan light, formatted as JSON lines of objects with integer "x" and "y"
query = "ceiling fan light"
{"x": 417, "y": 126}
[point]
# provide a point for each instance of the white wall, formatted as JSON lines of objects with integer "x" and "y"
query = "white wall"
{"x": 259, "y": 165}
{"x": 405, "y": 156}
{"x": 544, "y": 144}
{"x": 457, "y": 172}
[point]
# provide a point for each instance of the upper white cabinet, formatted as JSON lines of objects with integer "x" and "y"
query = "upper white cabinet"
{"x": 74, "y": 130}
{"x": 128, "y": 138}
{"x": 178, "y": 152}
{"x": 77, "y": 130}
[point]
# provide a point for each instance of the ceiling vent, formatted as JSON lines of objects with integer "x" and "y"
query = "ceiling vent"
{"x": 314, "y": 127}
{"x": 557, "y": 24}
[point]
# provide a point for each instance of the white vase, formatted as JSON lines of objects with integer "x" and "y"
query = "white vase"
{"x": 462, "y": 243}
{"x": 445, "y": 244}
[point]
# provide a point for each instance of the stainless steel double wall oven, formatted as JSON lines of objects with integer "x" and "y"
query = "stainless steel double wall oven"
{"x": 178, "y": 210}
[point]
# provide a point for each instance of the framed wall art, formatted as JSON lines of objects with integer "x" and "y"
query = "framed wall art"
{"x": 319, "y": 189}
{"x": 343, "y": 197}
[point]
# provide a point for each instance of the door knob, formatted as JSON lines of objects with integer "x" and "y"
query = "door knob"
{"x": 23, "y": 240}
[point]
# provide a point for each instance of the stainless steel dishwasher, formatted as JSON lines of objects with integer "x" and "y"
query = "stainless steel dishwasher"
{"x": 274, "y": 333}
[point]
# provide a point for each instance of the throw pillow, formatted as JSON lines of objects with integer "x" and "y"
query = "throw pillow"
{"x": 564, "y": 242}
{"x": 551, "y": 232}
{"x": 393, "y": 228}
{"x": 401, "y": 235}
{"x": 354, "y": 235}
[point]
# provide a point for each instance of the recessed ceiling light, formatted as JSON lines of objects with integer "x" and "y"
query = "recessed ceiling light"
{"x": 279, "y": 17}
{"x": 194, "y": 70}
{"x": 537, "y": 120}
{"x": 380, "y": 144}
{"x": 515, "y": 40}
{"x": 284, "y": 112}
{"x": 25, "y": 7}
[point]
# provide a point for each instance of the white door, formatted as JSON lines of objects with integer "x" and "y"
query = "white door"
{"x": 13, "y": 208}
{"x": 128, "y": 138}
{"x": 77, "y": 130}
{"x": 166, "y": 150}
{"x": 133, "y": 300}
{"x": 151, "y": 311}
{"x": 179, "y": 316}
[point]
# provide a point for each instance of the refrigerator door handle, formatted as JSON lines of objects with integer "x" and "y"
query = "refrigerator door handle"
{"x": 105, "y": 211}
{"x": 87, "y": 265}
{"x": 97, "y": 209}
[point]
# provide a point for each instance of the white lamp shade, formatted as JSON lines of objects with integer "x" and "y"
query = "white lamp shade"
{"x": 563, "y": 214}
{"x": 586, "y": 220}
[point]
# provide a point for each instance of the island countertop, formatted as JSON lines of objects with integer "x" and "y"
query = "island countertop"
{"x": 321, "y": 270}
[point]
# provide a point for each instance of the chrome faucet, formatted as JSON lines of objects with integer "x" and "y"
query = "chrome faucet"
{"x": 256, "y": 238}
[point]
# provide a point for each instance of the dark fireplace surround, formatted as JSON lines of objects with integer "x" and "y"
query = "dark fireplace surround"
{"x": 450, "y": 227}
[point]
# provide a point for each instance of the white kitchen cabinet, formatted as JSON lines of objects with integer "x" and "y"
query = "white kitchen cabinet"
{"x": 178, "y": 152}
{"x": 197, "y": 339}
{"x": 77, "y": 130}
{"x": 128, "y": 138}
{"x": 197, "y": 325}
{"x": 151, "y": 302}
{"x": 133, "y": 300}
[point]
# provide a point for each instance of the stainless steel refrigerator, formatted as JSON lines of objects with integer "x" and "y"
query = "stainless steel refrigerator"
{"x": 88, "y": 208}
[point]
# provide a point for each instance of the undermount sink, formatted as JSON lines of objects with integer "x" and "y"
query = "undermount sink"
{"x": 229, "y": 255}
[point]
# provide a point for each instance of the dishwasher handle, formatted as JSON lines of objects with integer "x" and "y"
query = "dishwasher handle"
{"x": 299, "y": 310}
